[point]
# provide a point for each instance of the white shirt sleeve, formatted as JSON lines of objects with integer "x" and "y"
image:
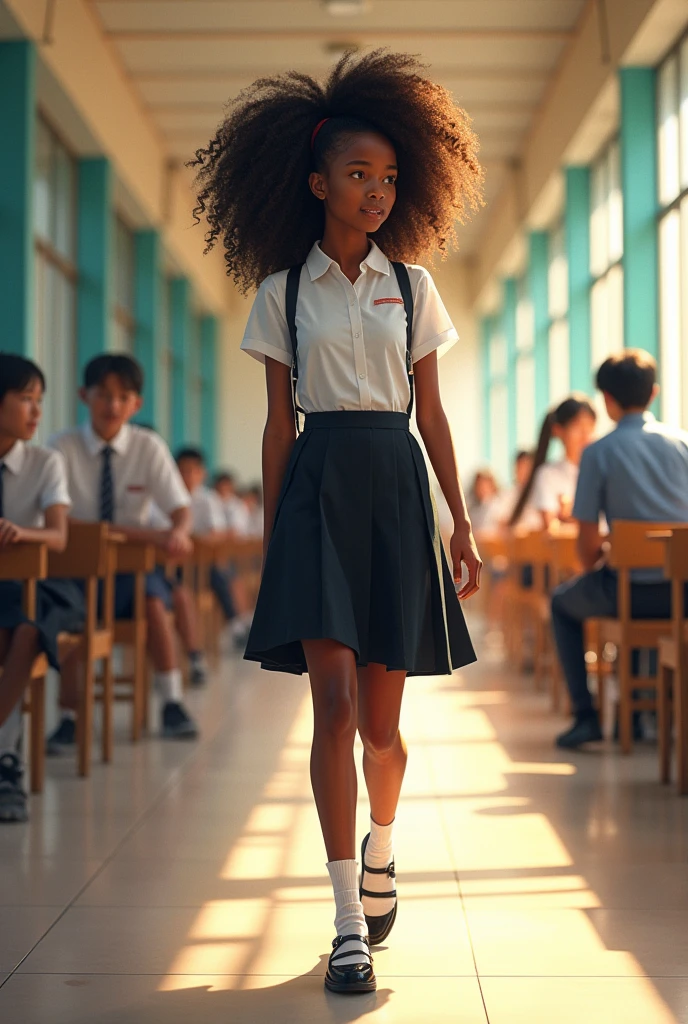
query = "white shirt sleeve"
{"x": 164, "y": 480}
{"x": 267, "y": 333}
{"x": 432, "y": 326}
{"x": 54, "y": 487}
{"x": 208, "y": 514}
{"x": 544, "y": 495}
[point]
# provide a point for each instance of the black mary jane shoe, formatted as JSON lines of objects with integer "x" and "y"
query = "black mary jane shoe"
{"x": 378, "y": 927}
{"x": 353, "y": 977}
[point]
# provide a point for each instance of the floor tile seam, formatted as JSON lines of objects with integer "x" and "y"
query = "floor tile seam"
{"x": 211, "y": 974}
{"x": 617, "y": 977}
{"x": 138, "y": 822}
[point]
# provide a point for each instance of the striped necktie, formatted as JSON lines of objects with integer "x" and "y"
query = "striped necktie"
{"x": 107, "y": 491}
{"x": 2, "y": 503}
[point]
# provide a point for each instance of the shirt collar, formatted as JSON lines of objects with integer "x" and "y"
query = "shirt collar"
{"x": 319, "y": 263}
{"x": 635, "y": 419}
{"x": 95, "y": 443}
{"x": 14, "y": 460}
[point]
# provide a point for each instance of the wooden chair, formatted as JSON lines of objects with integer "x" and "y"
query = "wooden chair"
{"x": 672, "y": 688}
{"x": 527, "y": 605}
{"x": 632, "y": 549}
{"x": 206, "y": 555}
{"x": 137, "y": 560}
{"x": 28, "y": 563}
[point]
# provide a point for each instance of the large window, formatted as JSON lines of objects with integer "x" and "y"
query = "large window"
{"x": 499, "y": 402}
{"x": 55, "y": 220}
{"x": 606, "y": 254}
{"x": 525, "y": 368}
{"x": 164, "y": 367}
{"x": 672, "y": 144}
{"x": 558, "y": 291}
{"x": 123, "y": 326}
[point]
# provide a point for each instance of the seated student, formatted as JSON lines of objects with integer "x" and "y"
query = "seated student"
{"x": 209, "y": 520}
{"x": 235, "y": 509}
{"x": 34, "y": 504}
{"x": 551, "y": 486}
{"x": 483, "y": 501}
{"x": 638, "y": 471}
{"x": 529, "y": 518}
{"x": 115, "y": 471}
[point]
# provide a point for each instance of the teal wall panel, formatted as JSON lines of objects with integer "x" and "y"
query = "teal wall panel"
{"x": 639, "y": 183}
{"x": 147, "y": 315}
{"x": 538, "y": 290}
{"x": 94, "y": 261}
{"x": 180, "y": 335}
{"x": 17, "y": 161}
{"x": 209, "y": 378}
{"x": 485, "y": 338}
{"x": 509, "y": 331}
{"x": 578, "y": 252}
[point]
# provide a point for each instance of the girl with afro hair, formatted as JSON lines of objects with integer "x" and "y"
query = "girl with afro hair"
{"x": 325, "y": 197}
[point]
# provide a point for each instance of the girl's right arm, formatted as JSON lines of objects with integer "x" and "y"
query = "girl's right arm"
{"x": 278, "y": 439}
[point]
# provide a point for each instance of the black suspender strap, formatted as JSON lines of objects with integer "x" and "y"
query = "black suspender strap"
{"x": 293, "y": 281}
{"x": 403, "y": 280}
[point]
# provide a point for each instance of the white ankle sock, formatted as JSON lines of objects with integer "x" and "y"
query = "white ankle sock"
{"x": 169, "y": 685}
{"x": 378, "y": 854}
{"x": 349, "y": 918}
{"x": 11, "y": 731}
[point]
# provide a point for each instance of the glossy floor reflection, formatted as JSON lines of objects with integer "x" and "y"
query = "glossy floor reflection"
{"x": 187, "y": 882}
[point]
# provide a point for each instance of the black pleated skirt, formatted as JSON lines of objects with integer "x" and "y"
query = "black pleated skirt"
{"x": 355, "y": 553}
{"x": 60, "y": 608}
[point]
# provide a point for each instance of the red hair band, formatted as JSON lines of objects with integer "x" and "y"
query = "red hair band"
{"x": 317, "y": 129}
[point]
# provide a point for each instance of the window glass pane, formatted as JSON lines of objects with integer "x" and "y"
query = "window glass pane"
{"x": 55, "y": 346}
{"x": 124, "y": 266}
{"x": 41, "y": 191}
{"x": 499, "y": 441}
{"x": 615, "y": 205}
{"x": 498, "y": 356}
{"x": 525, "y": 401}
{"x": 683, "y": 121}
{"x": 525, "y": 325}
{"x": 64, "y": 194}
{"x": 559, "y": 374}
{"x": 599, "y": 226}
{"x": 670, "y": 316}
{"x": 164, "y": 365}
{"x": 668, "y": 131}
{"x": 558, "y": 275}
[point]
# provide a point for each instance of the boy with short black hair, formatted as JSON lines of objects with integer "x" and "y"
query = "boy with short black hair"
{"x": 116, "y": 470}
{"x": 34, "y": 504}
{"x": 638, "y": 471}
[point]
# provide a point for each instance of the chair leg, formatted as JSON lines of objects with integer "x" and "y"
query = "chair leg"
{"x": 137, "y": 684}
{"x": 85, "y": 734}
{"x": 37, "y": 735}
{"x": 681, "y": 720}
{"x": 664, "y": 722}
{"x": 625, "y": 698}
{"x": 108, "y": 708}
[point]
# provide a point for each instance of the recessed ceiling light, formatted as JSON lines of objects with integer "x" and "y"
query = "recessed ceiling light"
{"x": 345, "y": 8}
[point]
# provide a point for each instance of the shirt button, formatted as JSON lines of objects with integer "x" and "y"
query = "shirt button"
{"x": 362, "y": 376}
{"x": 357, "y": 335}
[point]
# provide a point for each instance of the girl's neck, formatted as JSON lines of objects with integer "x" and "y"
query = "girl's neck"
{"x": 346, "y": 247}
{"x": 7, "y": 443}
{"x": 573, "y": 457}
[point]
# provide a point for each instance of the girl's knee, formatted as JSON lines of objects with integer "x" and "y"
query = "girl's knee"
{"x": 335, "y": 713}
{"x": 378, "y": 738}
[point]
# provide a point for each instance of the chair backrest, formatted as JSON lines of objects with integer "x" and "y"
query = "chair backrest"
{"x": 564, "y": 561}
{"x": 86, "y": 554}
{"x": 26, "y": 563}
{"x": 676, "y": 552}
{"x": 631, "y": 548}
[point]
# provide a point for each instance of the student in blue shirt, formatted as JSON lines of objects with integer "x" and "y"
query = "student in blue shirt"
{"x": 638, "y": 471}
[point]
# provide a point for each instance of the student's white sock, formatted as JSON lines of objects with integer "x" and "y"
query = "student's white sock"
{"x": 69, "y": 713}
{"x": 349, "y": 918}
{"x": 11, "y": 731}
{"x": 169, "y": 685}
{"x": 378, "y": 854}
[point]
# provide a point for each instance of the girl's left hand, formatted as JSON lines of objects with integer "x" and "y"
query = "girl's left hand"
{"x": 9, "y": 533}
{"x": 464, "y": 550}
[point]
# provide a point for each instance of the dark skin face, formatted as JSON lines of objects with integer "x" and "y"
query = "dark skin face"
{"x": 358, "y": 188}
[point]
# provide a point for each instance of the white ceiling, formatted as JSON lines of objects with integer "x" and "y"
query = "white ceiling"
{"x": 186, "y": 58}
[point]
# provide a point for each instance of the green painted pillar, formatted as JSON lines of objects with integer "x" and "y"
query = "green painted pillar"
{"x": 578, "y": 252}
{"x": 94, "y": 261}
{"x": 17, "y": 172}
{"x": 538, "y": 290}
{"x": 485, "y": 339}
{"x": 209, "y": 378}
{"x": 509, "y": 331}
{"x": 147, "y": 314}
{"x": 639, "y": 184}
{"x": 180, "y": 335}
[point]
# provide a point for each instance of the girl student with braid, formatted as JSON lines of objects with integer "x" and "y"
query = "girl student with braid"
{"x": 318, "y": 194}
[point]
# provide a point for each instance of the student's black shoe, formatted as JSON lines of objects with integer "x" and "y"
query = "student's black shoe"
{"x": 198, "y": 672}
{"x": 13, "y": 799}
{"x": 584, "y": 730}
{"x": 351, "y": 977}
{"x": 378, "y": 927}
{"x": 63, "y": 739}
{"x": 176, "y": 722}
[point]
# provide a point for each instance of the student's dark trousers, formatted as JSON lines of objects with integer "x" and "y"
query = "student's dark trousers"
{"x": 219, "y": 584}
{"x": 592, "y": 596}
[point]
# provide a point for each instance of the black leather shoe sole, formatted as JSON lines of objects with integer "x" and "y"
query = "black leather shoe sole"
{"x": 378, "y": 927}
{"x": 356, "y": 985}
{"x": 352, "y": 978}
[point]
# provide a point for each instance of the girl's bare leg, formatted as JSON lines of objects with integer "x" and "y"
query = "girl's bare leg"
{"x": 384, "y": 751}
{"x": 16, "y": 672}
{"x": 332, "y": 671}
{"x": 185, "y": 618}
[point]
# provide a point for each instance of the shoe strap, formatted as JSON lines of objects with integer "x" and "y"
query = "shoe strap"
{"x": 389, "y": 870}
{"x": 380, "y": 895}
{"x": 341, "y": 939}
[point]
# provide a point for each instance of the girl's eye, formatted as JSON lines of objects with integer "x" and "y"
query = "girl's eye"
{"x": 391, "y": 179}
{"x": 354, "y": 173}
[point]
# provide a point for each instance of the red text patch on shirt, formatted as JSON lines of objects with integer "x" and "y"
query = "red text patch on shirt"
{"x": 381, "y": 302}
{"x": 136, "y": 487}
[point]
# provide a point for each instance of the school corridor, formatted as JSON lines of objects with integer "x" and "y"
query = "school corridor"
{"x": 187, "y": 883}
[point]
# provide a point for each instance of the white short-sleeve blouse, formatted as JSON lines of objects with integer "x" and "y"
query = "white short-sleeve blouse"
{"x": 351, "y": 337}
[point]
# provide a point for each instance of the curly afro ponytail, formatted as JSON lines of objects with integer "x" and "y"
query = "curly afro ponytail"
{"x": 253, "y": 179}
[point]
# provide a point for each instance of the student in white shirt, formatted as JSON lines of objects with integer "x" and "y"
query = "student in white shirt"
{"x": 34, "y": 504}
{"x": 116, "y": 470}
{"x": 236, "y": 512}
{"x": 551, "y": 486}
{"x": 356, "y": 588}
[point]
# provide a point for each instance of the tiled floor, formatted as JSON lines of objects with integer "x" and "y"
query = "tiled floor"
{"x": 187, "y": 882}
